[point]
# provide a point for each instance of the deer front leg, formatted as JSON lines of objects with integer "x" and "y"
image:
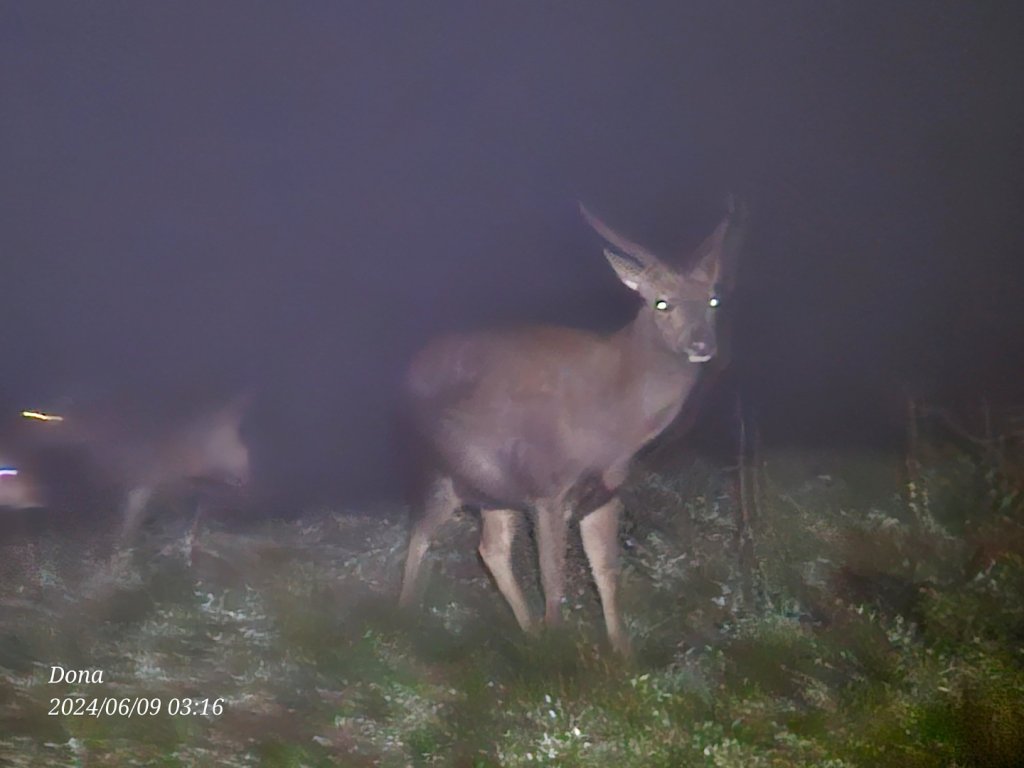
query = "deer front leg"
{"x": 499, "y": 531}
{"x": 600, "y": 533}
{"x": 551, "y": 529}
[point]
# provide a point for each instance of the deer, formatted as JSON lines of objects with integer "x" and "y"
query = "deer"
{"x": 143, "y": 455}
{"x": 545, "y": 421}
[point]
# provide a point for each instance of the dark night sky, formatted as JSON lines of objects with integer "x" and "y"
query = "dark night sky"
{"x": 294, "y": 196}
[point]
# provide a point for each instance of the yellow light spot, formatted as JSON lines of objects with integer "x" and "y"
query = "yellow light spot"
{"x": 41, "y": 416}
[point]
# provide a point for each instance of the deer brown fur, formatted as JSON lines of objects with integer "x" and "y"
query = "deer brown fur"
{"x": 545, "y": 421}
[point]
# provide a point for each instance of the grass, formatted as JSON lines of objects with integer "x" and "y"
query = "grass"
{"x": 874, "y": 634}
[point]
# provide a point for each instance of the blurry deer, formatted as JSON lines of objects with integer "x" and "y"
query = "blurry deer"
{"x": 546, "y": 420}
{"x": 142, "y": 454}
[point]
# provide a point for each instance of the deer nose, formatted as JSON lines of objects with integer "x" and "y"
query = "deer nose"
{"x": 700, "y": 350}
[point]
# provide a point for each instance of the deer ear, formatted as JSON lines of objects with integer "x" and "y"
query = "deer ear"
{"x": 706, "y": 258}
{"x": 622, "y": 244}
{"x": 732, "y": 243}
{"x": 629, "y": 272}
{"x": 714, "y": 260}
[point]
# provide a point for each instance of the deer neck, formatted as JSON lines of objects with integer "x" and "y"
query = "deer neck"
{"x": 655, "y": 379}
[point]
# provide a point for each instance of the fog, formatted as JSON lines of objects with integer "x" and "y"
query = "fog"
{"x": 291, "y": 198}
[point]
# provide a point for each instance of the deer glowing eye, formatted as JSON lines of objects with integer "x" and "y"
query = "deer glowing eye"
{"x": 714, "y": 301}
{"x": 661, "y": 305}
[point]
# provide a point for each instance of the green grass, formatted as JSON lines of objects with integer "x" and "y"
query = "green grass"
{"x": 872, "y": 634}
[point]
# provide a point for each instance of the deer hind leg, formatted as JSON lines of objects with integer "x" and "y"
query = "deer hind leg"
{"x": 552, "y": 527}
{"x": 600, "y": 533}
{"x": 133, "y": 512}
{"x": 439, "y": 505}
{"x": 499, "y": 531}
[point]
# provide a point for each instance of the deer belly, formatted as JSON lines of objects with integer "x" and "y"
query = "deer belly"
{"x": 512, "y": 472}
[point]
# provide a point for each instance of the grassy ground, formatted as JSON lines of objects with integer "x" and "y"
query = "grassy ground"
{"x": 863, "y": 631}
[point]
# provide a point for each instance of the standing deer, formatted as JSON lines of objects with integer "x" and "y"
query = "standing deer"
{"x": 546, "y": 420}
